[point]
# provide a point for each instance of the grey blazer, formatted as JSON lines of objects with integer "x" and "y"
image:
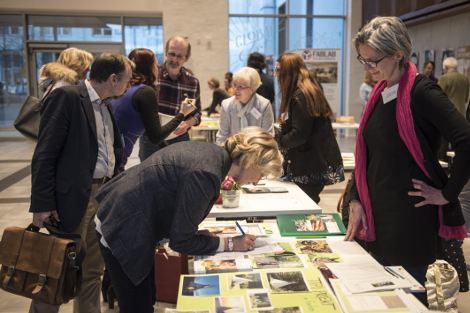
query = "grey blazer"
{"x": 230, "y": 122}
{"x": 166, "y": 196}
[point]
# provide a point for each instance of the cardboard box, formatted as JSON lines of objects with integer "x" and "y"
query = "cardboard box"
{"x": 345, "y": 119}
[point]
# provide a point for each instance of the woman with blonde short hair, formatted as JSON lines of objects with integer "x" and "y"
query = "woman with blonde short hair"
{"x": 245, "y": 108}
{"x": 402, "y": 200}
{"x": 218, "y": 95}
{"x": 72, "y": 66}
{"x": 168, "y": 196}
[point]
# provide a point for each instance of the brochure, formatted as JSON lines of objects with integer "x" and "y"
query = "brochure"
{"x": 264, "y": 190}
{"x": 311, "y": 225}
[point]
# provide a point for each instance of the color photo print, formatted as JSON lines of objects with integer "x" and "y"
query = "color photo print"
{"x": 167, "y": 310}
{"x": 245, "y": 281}
{"x": 287, "y": 282}
{"x": 312, "y": 246}
{"x": 197, "y": 286}
{"x": 229, "y": 304}
{"x": 290, "y": 309}
{"x": 259, "y": 299}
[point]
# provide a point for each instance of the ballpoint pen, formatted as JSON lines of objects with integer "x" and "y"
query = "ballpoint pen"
{"x": 398, "y": 275}
{"x": 390, "y": 272}
{"x": 239, "y": 227}
{"x": 186, "y": 95}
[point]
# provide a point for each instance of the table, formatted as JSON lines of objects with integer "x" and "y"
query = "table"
{"x": 337, "y": 126}
{"x": 209, "y": 125}
{"x": 305, "y": 205}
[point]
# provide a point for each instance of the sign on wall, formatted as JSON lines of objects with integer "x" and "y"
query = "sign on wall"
{"x": 463, "y": 60}
{"x": 327, "y": 64}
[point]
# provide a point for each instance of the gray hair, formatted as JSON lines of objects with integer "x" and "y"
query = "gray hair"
{"x": 107, "y": 64}
{"x": 450, "y": 63}
{"x": 387, "y": 35}
{"x": 248, "y": 75}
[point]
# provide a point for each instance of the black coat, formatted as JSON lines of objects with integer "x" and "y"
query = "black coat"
{"x": 310, "y": 140}
{"x": 267, "y": 89}
{"x": 65, "y": 157}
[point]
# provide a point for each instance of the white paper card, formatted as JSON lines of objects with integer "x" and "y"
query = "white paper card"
{"x": 285, "y": 116}
{"x": 255, "y": 113}
{"x": 390, "y": 94}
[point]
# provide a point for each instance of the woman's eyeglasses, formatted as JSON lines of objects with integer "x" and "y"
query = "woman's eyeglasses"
{"x": 239, "y": 88}
{"x": 372, "y": 64}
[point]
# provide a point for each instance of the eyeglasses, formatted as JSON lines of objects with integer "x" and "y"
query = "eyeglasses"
{"x": 171, "y": 55}
{"x": 372, "y": 64}
{"x": 235, "y": 87}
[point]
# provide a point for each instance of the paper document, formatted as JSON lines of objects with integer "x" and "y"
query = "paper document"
{"x": 262, "y": 245}
{"x": 164, "y": 119}
{"x": 261, "y": 201}
{"x": 366, "y": 277}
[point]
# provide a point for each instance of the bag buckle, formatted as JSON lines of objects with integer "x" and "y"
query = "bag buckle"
{"x": 40, "y": 286}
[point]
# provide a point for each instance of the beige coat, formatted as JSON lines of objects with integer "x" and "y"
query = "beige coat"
{"x": 456, "y": 86}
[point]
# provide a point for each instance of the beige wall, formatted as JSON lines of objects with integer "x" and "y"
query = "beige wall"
{"x": 204, "y": 22}
{"x": 451, "y": 32}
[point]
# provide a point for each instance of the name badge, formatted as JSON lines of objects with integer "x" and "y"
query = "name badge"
{"x": 390, "y": 93}
{"x": 255, "y": 113}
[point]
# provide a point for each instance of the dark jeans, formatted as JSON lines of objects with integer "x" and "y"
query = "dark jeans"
{"x": 313, "y": 191}
{"x": 147, "y": 148}
{"x": 418, "y": 273}
{"x": 131, "y": 298}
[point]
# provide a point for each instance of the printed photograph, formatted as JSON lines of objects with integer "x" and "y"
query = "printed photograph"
{"x": 229, "y": 304}
{"x": 290, "y": 309}
{"x": 288, "y": 261}
{"x": 245, "y": 281}
{"x": 222, "y": 229}
{"x": 312, "y": 246}
{"x": 259, "y": 299}
{"x": 186, "y": 311}
{"x": 197, "y": 286}
{"x": 303, "y": 225}
{"x": 215, "y": 266}
{"x": 428, "y": 56}
{"x": 287, "y": 282}
{"x": 287, "y": 250}
{"x": 320, "y": 259}
{"x": 382, "y": 284}
{"x": 327, "y": 72}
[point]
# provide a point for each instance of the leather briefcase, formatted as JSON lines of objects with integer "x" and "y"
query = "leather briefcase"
{"x": 39, "y": 266}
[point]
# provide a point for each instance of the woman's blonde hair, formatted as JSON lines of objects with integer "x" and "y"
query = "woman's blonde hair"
{"x": 255, "y": 148}
{"x": 75, "y": 59}
{"x": 248, "y": 75}
{"x": 214, "y": 82}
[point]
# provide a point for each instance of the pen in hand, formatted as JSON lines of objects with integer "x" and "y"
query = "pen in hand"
{"x": 190, "y": 102}
{"x": 239, "y": 227}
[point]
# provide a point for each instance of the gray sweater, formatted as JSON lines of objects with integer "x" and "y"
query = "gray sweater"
{"x": 166, "y": 196}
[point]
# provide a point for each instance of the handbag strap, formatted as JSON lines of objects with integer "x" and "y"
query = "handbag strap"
{"x": 49, "y": 89}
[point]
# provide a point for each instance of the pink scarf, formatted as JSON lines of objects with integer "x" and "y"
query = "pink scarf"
{"x": 408, "y": 135}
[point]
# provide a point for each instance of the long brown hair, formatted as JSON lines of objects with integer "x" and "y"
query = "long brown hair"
{"x": 144, "y": 60}
{"x": 294, "y": 75}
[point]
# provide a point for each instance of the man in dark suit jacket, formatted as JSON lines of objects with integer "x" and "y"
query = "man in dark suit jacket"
{"x": 257, "y": 61}
{"x": 79, "y": 148}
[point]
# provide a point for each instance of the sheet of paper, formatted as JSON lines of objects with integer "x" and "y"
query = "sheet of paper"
{"x": 377, "y": 302}
{"x": 164, "y": 119}
{"x": 277, "y": 201}
{"x": 262, "y": 245}
{"x": 366, "y": 277}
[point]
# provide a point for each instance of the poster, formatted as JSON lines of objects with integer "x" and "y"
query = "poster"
{"x": 414, "y": 59}
{"x": 327, "y": 64}
{"x": 429, "y": 56}
{"x": 463, "y": 60}
{"x": 447, "y": 53}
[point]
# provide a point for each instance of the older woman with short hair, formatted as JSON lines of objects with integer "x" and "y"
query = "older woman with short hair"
{"x": 401, "y": 198}
{"x": 168, "y": 196}
{"x": 245, "y": 108}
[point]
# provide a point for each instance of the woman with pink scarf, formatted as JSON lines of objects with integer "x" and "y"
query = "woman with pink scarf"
{"x": 403, "y": 203}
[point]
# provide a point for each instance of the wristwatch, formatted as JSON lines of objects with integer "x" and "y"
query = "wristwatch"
{"x": 230, "y": 244}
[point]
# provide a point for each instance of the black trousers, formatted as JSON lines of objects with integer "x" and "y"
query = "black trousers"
{"x": 131, "y": 298}
{"x": 313, "y": 191}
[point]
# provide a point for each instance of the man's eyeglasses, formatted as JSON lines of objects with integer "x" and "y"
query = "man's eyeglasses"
{"x": 171, "y": 55}
{"x": 235, "y": 87}
{"x": 372, "y": 64}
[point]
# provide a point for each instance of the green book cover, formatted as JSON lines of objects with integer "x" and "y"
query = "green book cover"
{"x": 310, "y": 225}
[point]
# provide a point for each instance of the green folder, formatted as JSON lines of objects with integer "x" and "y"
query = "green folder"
{"x": 310, "y": 225}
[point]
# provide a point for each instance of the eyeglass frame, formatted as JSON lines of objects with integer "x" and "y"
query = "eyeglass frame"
{"x": 171, "y": 55}
{"x": 372, "y": 64}
{"x": 239, "y": 88}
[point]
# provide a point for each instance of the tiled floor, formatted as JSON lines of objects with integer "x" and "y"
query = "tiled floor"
{"x": 15, "y": 185}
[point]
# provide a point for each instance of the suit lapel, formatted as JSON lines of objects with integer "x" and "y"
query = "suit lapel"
{"x": 87, "y": 107}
